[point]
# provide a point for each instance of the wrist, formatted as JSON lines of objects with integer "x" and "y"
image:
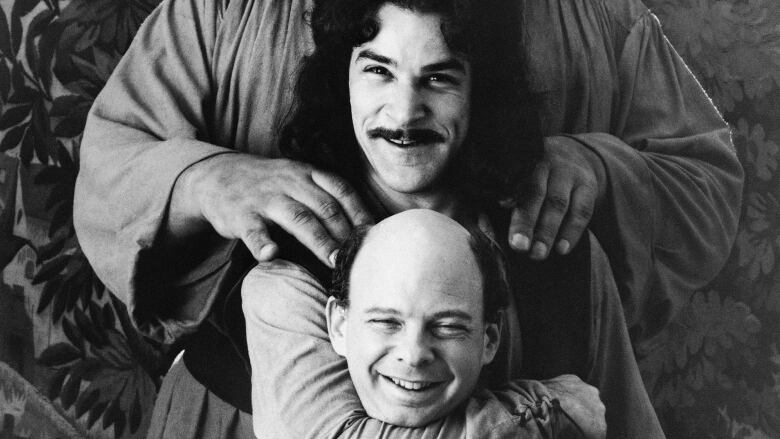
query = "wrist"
{"x": 185, "y": 213}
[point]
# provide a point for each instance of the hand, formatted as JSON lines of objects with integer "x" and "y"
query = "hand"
{"x": 240, "y": 194}
{"x": 557, "y": 206}
{"x": 581, "y": 402}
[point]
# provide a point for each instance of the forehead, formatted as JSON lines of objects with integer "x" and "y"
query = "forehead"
{"x": 417, "y": 275}
{"x": 408, "y": 35}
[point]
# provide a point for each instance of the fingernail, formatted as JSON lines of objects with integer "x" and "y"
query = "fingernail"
{"x": 332, "y": 257}
{"x": 563, "y": 246}
{"x": 539, "y": 250}
{"x": 520, "y": 242}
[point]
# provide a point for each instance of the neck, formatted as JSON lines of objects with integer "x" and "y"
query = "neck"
{"x": 440, "y": 200}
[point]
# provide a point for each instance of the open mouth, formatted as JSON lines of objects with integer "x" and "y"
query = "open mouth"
{"x": 408, "y": 137}
{"x": 413, "y": 386}
{"x": 402, "y": 142}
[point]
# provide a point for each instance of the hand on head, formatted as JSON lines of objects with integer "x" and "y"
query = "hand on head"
{"x": 241, "y": 195}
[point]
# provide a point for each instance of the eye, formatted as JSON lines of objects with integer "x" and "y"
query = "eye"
{"x": 385, "y": 324}
{"x": 441, "y": 79}
{"x": 377, "y": 70}
{"x": 448, "y": 330}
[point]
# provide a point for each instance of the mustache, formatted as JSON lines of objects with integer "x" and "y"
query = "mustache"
{"x": 416, "y": 135}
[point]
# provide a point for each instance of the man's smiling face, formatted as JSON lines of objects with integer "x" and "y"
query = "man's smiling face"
{"x": 414, "y": 332}
{"x": 410, "y": 97}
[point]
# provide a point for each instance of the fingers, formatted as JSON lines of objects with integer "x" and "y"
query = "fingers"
{"x": 345, "y": 195}
{"x": 299, "y": 221}
{"x": 258, "y": 241}
{"x": 554, "y": 208}
{"x": 578, "y": 216}
{"x": 523, "y": 221}
{"x": 553, "y": 214}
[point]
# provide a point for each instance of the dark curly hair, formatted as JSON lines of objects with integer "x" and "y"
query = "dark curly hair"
{"x": 490, "y": 259}
{"x": 503, "y": 142}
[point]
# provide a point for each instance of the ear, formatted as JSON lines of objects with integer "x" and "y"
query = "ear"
{"x": 492, "y": 339}
{"x": 336, "y": 316}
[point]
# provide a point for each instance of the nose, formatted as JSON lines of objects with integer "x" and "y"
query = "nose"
{"x": 414, "y": 349}
{"x": 406, "y": 104}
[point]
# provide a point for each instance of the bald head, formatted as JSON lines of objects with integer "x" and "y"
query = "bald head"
{"x": 415, "y": 314}
{"x": 423, "y": 247}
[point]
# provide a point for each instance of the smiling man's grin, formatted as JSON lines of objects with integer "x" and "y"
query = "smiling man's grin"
{"x": 415, "y": 386}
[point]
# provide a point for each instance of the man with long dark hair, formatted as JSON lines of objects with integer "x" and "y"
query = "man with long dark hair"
{"x": 390, "y": 99}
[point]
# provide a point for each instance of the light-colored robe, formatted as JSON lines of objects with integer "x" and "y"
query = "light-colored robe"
{"x": 206, "y": 77}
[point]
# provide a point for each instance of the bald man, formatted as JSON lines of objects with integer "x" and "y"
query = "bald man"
{"x": 415, "y": 313}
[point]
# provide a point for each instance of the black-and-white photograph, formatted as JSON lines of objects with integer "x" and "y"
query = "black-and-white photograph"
{"x": 393, "y": 219}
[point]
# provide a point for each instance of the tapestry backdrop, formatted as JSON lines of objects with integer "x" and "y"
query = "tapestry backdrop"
{"x": 71, "y": 364}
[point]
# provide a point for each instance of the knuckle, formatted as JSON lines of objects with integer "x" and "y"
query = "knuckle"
{"x": 301, "y": 215}
{"x": 580, "y": 214}
{"x": 330, "y": 211}
{"x": 342, "y": 188}
{"x": 536, "y": 190}
{"x": 321, "y": 239}
{"x": 545, "y": 232}
{"x": 557, "y": 203}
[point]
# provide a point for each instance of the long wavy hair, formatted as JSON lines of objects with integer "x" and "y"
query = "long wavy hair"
{"x": 503, "y": 142}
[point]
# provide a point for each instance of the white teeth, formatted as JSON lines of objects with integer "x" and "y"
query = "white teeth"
{"x": 401, "y": 142}
{"x": 409, "y": 385}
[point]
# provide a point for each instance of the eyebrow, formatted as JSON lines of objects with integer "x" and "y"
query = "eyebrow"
{"x": 448, "y": 64}
{"x": 439, "y": 315}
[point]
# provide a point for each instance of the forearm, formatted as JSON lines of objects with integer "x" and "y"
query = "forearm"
{"x": 673, "y": 186}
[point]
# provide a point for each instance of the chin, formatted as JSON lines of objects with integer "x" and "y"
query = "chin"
{"x": 406, "y": 417}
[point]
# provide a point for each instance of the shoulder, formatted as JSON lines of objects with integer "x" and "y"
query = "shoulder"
{"x": 281, "y": 284}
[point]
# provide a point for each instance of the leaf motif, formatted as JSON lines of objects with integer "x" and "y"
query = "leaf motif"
{"x": 65, "y": 160}
{"x": 5, "y": 76}
{"x": 58, "y": 194}
{"x": 49, "y": 290}
{"x": 63, "y": 105}
{"x": 5, "y": 35}
{"x": 136, "y": 414}
{"x": 119, "y": 423}
{"x": 96, "y": 316}
{"x": 95, "y": 413}
{"x": 50, "y": 269}
{"x": 86, "y": 401}
{"x": 111, "y": 414}
{"x": 28, "y": 146}
{"x": 70, "y": 390}
{"x": 108, "y": 317}
{"x": 59, "y": 354}
{"x": 24, "y": 7}
{"x": 14, "y": 116}
{"x": 61, "y": 301}
{"x": 71, "y": 126}
{"x": 17, "y": 76}
{"x": 55, "y": 384}
{"x": 16, "y": 29}
{"x": 62, "y": 217}
{"x": 72, "y": 334}
{"x": 24, "y": 95}
{"x": 12, "y": 137}
{"x": 47, "y": 46}
{"x": 51, "y": 175}
{"x": 87, "y": 328}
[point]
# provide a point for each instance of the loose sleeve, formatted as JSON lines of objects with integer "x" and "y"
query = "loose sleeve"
{"x": 141, "y": 134}
{"x": 301, "y": 388}
{"x": 674, "y": 182}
